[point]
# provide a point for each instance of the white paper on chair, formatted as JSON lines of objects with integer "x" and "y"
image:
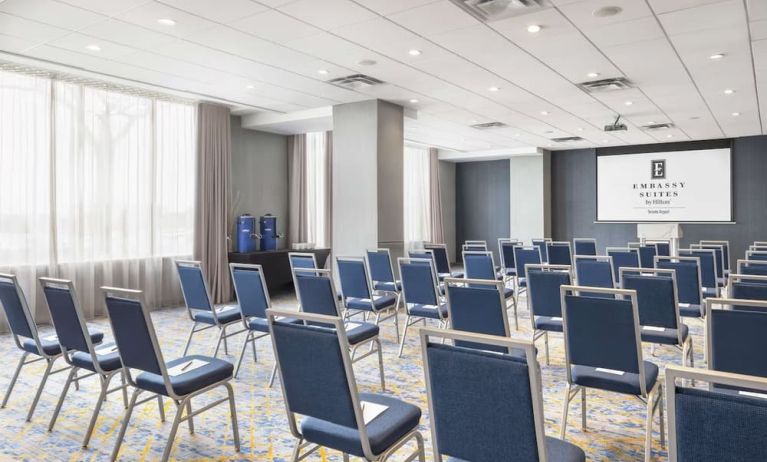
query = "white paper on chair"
{"x": 556, "y": 318}
{"x": 371, "y": 410}
{"x": 186, "y": 366}
{"x": 752, "y": 394}
{"x": 106, "y": 350}
{"x": 654, "y": 328}
{"x": 351, "y": 325}
{"x": 684, "y": 305}
{"x": 51, "y": 338}
{"x": 224, "y": 308}
{"x": 609, "y": 371}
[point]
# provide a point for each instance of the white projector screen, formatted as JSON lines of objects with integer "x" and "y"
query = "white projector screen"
{"x": 678, "y": 186}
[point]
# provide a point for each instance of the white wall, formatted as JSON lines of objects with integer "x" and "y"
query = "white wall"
{"x": 530, "y": 197}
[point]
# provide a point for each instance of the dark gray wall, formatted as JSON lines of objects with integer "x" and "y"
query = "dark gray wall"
{"x": 482, "y": 191}
{"x": 260, "y": 174}
{"x": 573, "y": 179}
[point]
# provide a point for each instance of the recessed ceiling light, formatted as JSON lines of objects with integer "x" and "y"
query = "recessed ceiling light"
{"x": 93, "y": 47}
{"x": 735, "y": 114}
{"x": 669, "y": 135}
{"x": 544, "y": 112}
{"x": 517, "y": 134}
{"x": 580, "y": 129}
{"x": 166, "y": 22}
{"x": 366, "y": 62}
{"x": 628, "y": 103}
{"x": 323, "y": 72}
{"x": 716, "y": 56}
{"x": 534, "y": 28}
{"x": 652, "y": 122}
{"x": 605, "y": 141}
{"x": 606, "y": 11}
{"x": 493, "y": 89}
{"x": 729, "y": 91}
{"x": 695, "y": 118}
{"x": 592, "y": 74}
{"x": 414, "y": 101}
{"x": 473, "y": 121}
{"x": 414, "y": 52}
{"x": 250, "y": 87}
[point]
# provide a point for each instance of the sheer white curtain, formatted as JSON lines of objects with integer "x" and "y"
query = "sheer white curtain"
{"x": 95, "y": 186}
{"x": 417, "y": 207}
{"x": 317, "y": 198}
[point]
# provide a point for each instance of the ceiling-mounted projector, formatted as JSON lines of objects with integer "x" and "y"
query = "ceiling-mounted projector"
{"x": 616, "y": 126}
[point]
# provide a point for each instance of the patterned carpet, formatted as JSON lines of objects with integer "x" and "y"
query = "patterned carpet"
{"x": 615, "y": 423}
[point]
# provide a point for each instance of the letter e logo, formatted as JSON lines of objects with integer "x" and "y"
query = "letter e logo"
{"x": 658, "y": 169}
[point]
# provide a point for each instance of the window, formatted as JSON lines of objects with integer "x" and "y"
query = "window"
{"x": 417, "y": 207}
{"x": 317, "y": 188}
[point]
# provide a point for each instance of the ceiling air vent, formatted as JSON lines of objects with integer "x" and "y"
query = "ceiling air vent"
{"x": 488, "y": 125}
{"x": 604, "y": 85}
{"x": 355, "y": 81}
{"x": 493, "y": 10}
{"x": 658, "y": 126}
{"x": 567, "y": 139}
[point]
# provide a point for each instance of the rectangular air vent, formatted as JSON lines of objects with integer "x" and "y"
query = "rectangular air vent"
{"x": 658, "y": 126}
{"x": 493, "y": 10}
{"x": 355, "y": 81}
{"x": 605, "y": 85}
{"x": 488, "y": 125}
{"x": 567, "y": 139}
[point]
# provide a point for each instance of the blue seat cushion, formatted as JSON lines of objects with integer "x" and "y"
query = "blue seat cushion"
{"x": 428, "y": 311}
{"x": 549, "y": 323}
{"x": 225, "y": 316}
{"x": 627, "y": 383}
{"x": 110, "y": 361}
{"x": 666, "y": 336}
{"x": 357, "y": 332}
{"x": 379, "y": 303}
{"x": 50, "y": 343}
{"x": 388, "y": 286}
{"x": 689, "y": 310}
{"x": 561, "y": 451}
{"x": 262, "y": 325}
{"x": 386, "y": 429}
{"x": 214, "y": 371}
{"x": 710, "y": 292}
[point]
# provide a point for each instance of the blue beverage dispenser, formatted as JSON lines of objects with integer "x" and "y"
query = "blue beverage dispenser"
{"x": 247, "y": 238}
{"x": 268, "y": 228}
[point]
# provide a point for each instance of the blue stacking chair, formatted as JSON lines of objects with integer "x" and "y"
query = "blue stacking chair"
{"x": 747, "y": 287}
{"x": 253, "y": 300}
{"x": 180, "y": 379}
{"x": 358, "y": 293}
{"x": 541, "y": 244}
{"x": 29, "y": 340}
{"x": 559, "y": 253}
{"x": 481, "y": 265}
{"x": 474, "y": 245}
{"x": 725, "y": 245}
{"x": 708, "y": 426}
{"x": 318, "y": 384}
{"x": 442, "y": 261}
{"x": 718, "y": 260}
{"x": 752, "y": 267}
{"x": 523, "y": 256}
{"x": 382, "y": 272}
{"x": 543, "y": 282}
{"x": 595, "y": 271}
{"x": 420, "y": 292}
{"x": 623, "y": 257}
{"x": 78, "y": 348}
{"x": 603, "y": 350}
{"x": 203, "y": 313}
{"x": 663, "y": 248}
{"x": 585, "y": 246}
{"x": 482, "y": 420}
{"x": 708, "y": 271}
{"x": 756, "y": 255}
{"x": 658, "y": 305}
{"x": 508, "y": 265}
{"x": 647, "y": 253}
{"x": 316, "y": 295}
{"x": 689, "y": 289}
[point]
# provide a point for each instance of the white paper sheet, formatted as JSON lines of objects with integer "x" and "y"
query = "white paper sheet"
{"x": 371, "y": 410}
{"x": 609, "y": 371}
{"x": 654, "y": 328}
{"x": 105, "y": 350}
{"x": 753, "y": 394}
{"x": 186, "y": 366}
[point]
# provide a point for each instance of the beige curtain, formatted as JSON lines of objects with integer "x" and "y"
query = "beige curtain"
{"x": 214, "y": 152}
{"x": 435, "y": 199}
{"x": 297, "y": 229}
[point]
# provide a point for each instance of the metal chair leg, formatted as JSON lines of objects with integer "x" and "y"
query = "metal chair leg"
{"x": 125, "y": 389}
{"x": 226, "y": 345}
{"x": 190, "y": 420}
{"x": 404, "y": 335}
{"x": 563, "y": 429}
{"x": 660, "y": 416}
{"x": 648, "y": 428}
{"x": 40, "y": 388}
{"x": 104, "y": 388}
{"x": 546, "y": 344}
{"x": 173, "y": 430}
{"x": 233, "y": 414}
{"x": 161, "y": 407}
{"x": 124, "y": 425}
{"x": 248, "y": 338}
{"x": 189, "y": 339}
{"x": 61, "y": 399}
{"x": 380, "y": 364}
{"x": 274, "y": 374}
{"x": 396, "y": 318}
{"x": 13, "y": 379}
{"x": 583, "y": 409}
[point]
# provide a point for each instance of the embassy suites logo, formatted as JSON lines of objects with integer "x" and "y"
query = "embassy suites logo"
{"x": 659, "y": 189}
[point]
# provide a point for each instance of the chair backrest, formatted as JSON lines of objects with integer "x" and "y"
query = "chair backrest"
{"x": 756, "y": 255}
{"x": 302, "y": 260}
{"x": 315, "y": 291}
{"x": 251, "y": 290}
{"x": 194, "y": 287}
{"x": 526, "y": 255}
{"x": 479, "y": 265}
{"x": 543, "y": 283}
{"x": 380, "y": 265}
{"x": 511, "y": 400}
{"x": 16, "y": 310}
{"x": 657, "y": 299}
{"x": 353, "y": 276}
{"x": 559, "y": 253}
{"x": 735, "y": 337}
{"x": 316, "y": 371}
{"x": 541, "y": 244}
{"x": 663, "y": 247}
{"x": 718, "y": 256}
{"x": 67, "y": 318}
{"x": 506, "y": 251}
{"x": 478, "y": 306}
{"x": 647, "y": 253}
{"x": 687, "y": 272}
{"x": 747, "y": 287}
{"x": 709, "y": 426}
{"x": 419, "y": 281}
{"x": 752, "y": 267}
{"x": 725, "y": 250}
{"x": 479, "y": 242}
{"x": 441, "y": 257}
{"x": 134, "y": 333}
{"x": 707, "y": 265}
{"x": 623, "y": 257}
{"x": 602, "y": 332}
{"x": 595, "y": 271}
{"x": 585, "y": 246}
{"x": 473, "y": 248}
{"x": 422, "y": 255}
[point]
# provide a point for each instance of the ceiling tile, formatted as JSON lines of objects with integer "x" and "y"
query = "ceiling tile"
{"x": 105, "y": 7}
{"x": 219, "y": 10}
{"x": 32, "y": 31}
{"x": 275, "y": 26}
{"x": 386, "y": 7}
{"x": 51, "y": 12}
{"x": 148, "y": 14}
{"x": 327, "y": 14}
{"x": 434, "y": 18}
{"x": 664, "y": 6}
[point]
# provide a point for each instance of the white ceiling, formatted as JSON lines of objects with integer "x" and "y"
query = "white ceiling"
{"x": 264, "y": 56}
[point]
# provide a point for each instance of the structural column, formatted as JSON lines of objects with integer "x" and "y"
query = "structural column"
{"x": 531, "y": 196}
